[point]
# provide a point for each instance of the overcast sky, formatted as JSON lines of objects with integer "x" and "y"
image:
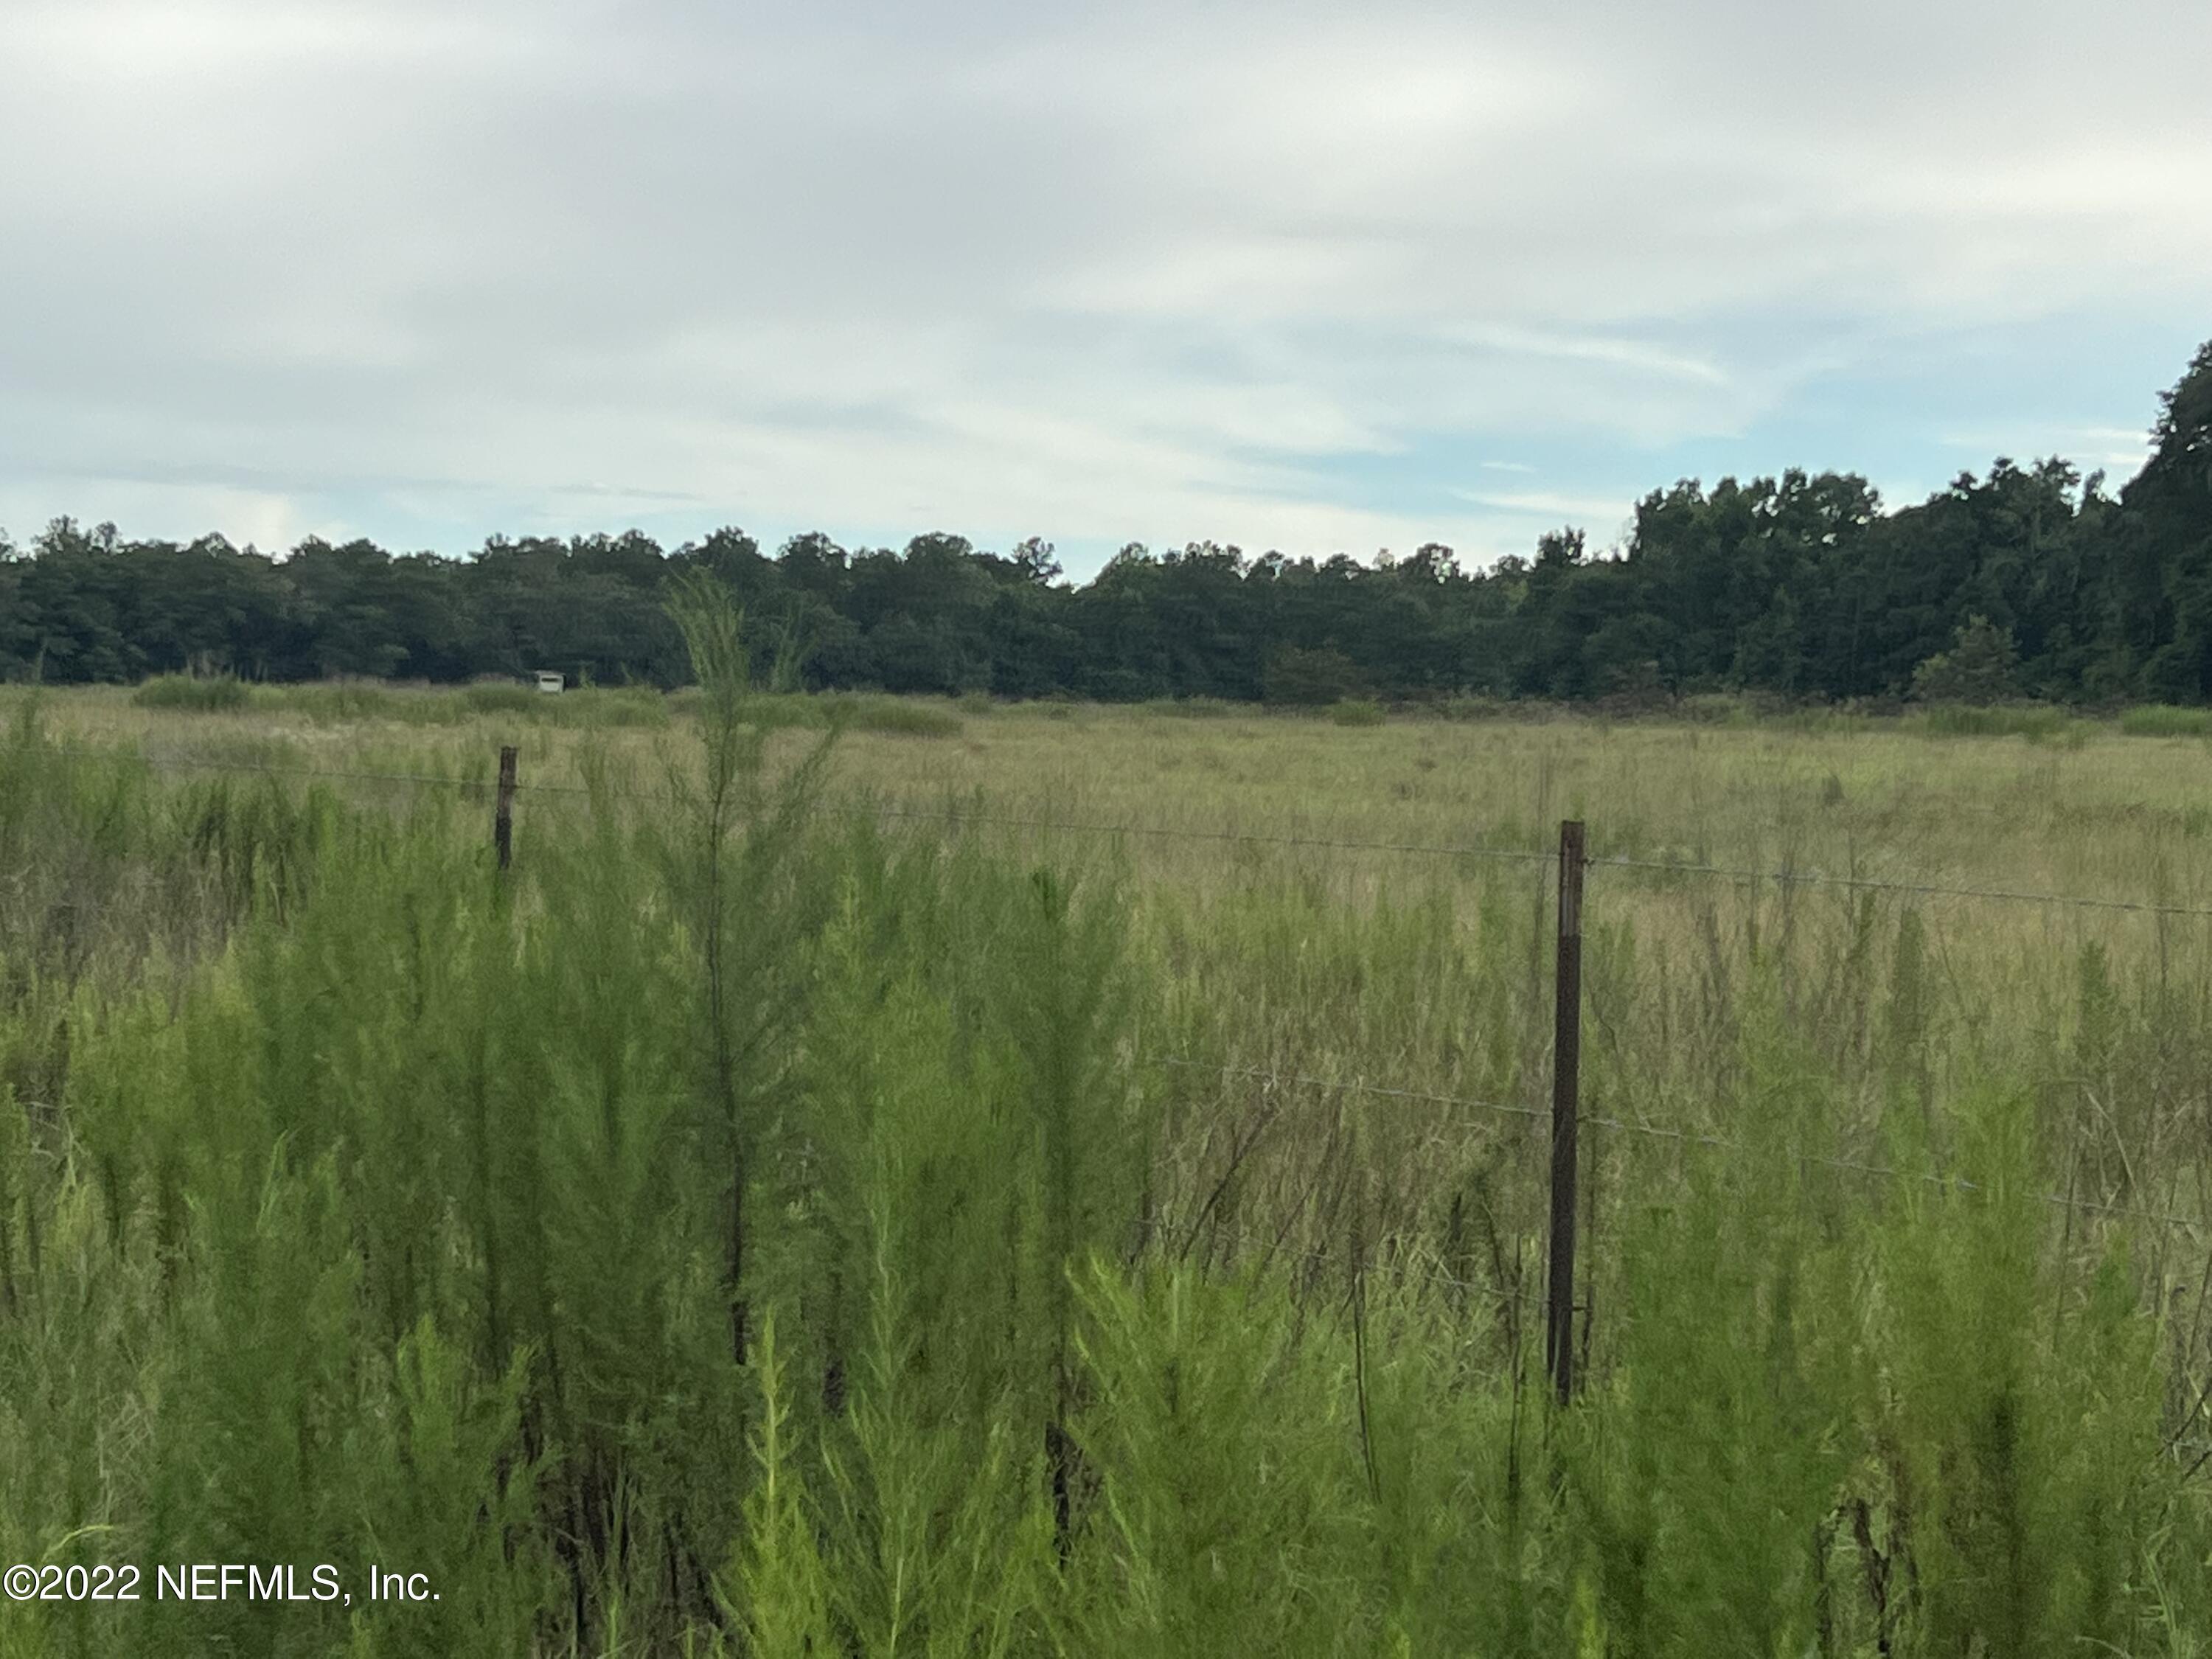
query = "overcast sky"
{"x": 1313, "y": 277}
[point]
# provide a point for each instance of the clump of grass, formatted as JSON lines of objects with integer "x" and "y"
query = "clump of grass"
{"x": 1714, "y": 709}
{"x": 604, "y": 707}
{"x": 339, "y": 702}
{"x": 193, "y": 693}
{"x": 1189, "y": 708}
{"x": 784, "y": 710}
{"x": 2164, "y": 720}
{"x": 1474, "y": 705}
{"x": 1356, "y": 711}
{"x": 506, "y": 698}
{"x": 2035, "y": 722}
{"x": 1811, "y": 719}
{"x": 850, "y": 711}
{"x": 898, "y": 717}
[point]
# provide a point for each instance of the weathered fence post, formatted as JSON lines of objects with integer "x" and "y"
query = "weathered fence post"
{"x": 502, "y": 818}
{"x": 1566, "y": 1104}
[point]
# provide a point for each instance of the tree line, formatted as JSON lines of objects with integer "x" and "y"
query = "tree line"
{"x": 2025, "y": 581}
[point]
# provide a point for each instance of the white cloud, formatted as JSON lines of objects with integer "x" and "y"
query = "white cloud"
{"x": 1638, "y": 355}
{"x": 1549, "y": 504}
{"x": 1160, "y": 270}
{"x": 2117, "y": 451}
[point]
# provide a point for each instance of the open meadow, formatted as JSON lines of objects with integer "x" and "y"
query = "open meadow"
{"x": 890, "y": 1178}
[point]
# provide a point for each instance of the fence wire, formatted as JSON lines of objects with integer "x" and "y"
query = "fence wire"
{"x": 1887, "y": 885}
{"x": 953, "y": 815}
{"x": 1909, "y": 886}
{"x": 1686, "y": 1137}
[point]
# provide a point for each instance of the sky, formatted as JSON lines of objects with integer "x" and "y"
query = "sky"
{"x": 1317, "y": 278}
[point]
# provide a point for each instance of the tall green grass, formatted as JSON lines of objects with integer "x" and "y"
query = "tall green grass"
{"x": 336, "y": 702}
{"x": 2161, "y": 720}
{"x": 2037, "y": 724}
{"x": 743, "y": 1228}
{"x": 208, "y": 695}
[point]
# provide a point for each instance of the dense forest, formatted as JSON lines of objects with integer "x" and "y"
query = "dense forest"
{"x": 2029, "y": 581}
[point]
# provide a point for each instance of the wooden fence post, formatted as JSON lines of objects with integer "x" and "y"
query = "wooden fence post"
{"x": 502, "y": 818}
{"x": 1566, "y": 1105}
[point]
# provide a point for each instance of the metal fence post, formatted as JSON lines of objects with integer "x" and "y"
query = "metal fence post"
{"x": 1566, "y": 1105}
{"x": 502, "y": 820}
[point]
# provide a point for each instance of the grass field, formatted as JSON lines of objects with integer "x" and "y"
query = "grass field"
{"x": 1112, "y": 1138}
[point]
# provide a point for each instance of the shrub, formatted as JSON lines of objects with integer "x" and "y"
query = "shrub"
{"x": 1980, "y": 667}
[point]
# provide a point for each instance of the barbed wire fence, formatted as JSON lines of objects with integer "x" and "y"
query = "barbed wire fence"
{"x": 954, "y": 816}
{"x": 1563, "y": 868}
